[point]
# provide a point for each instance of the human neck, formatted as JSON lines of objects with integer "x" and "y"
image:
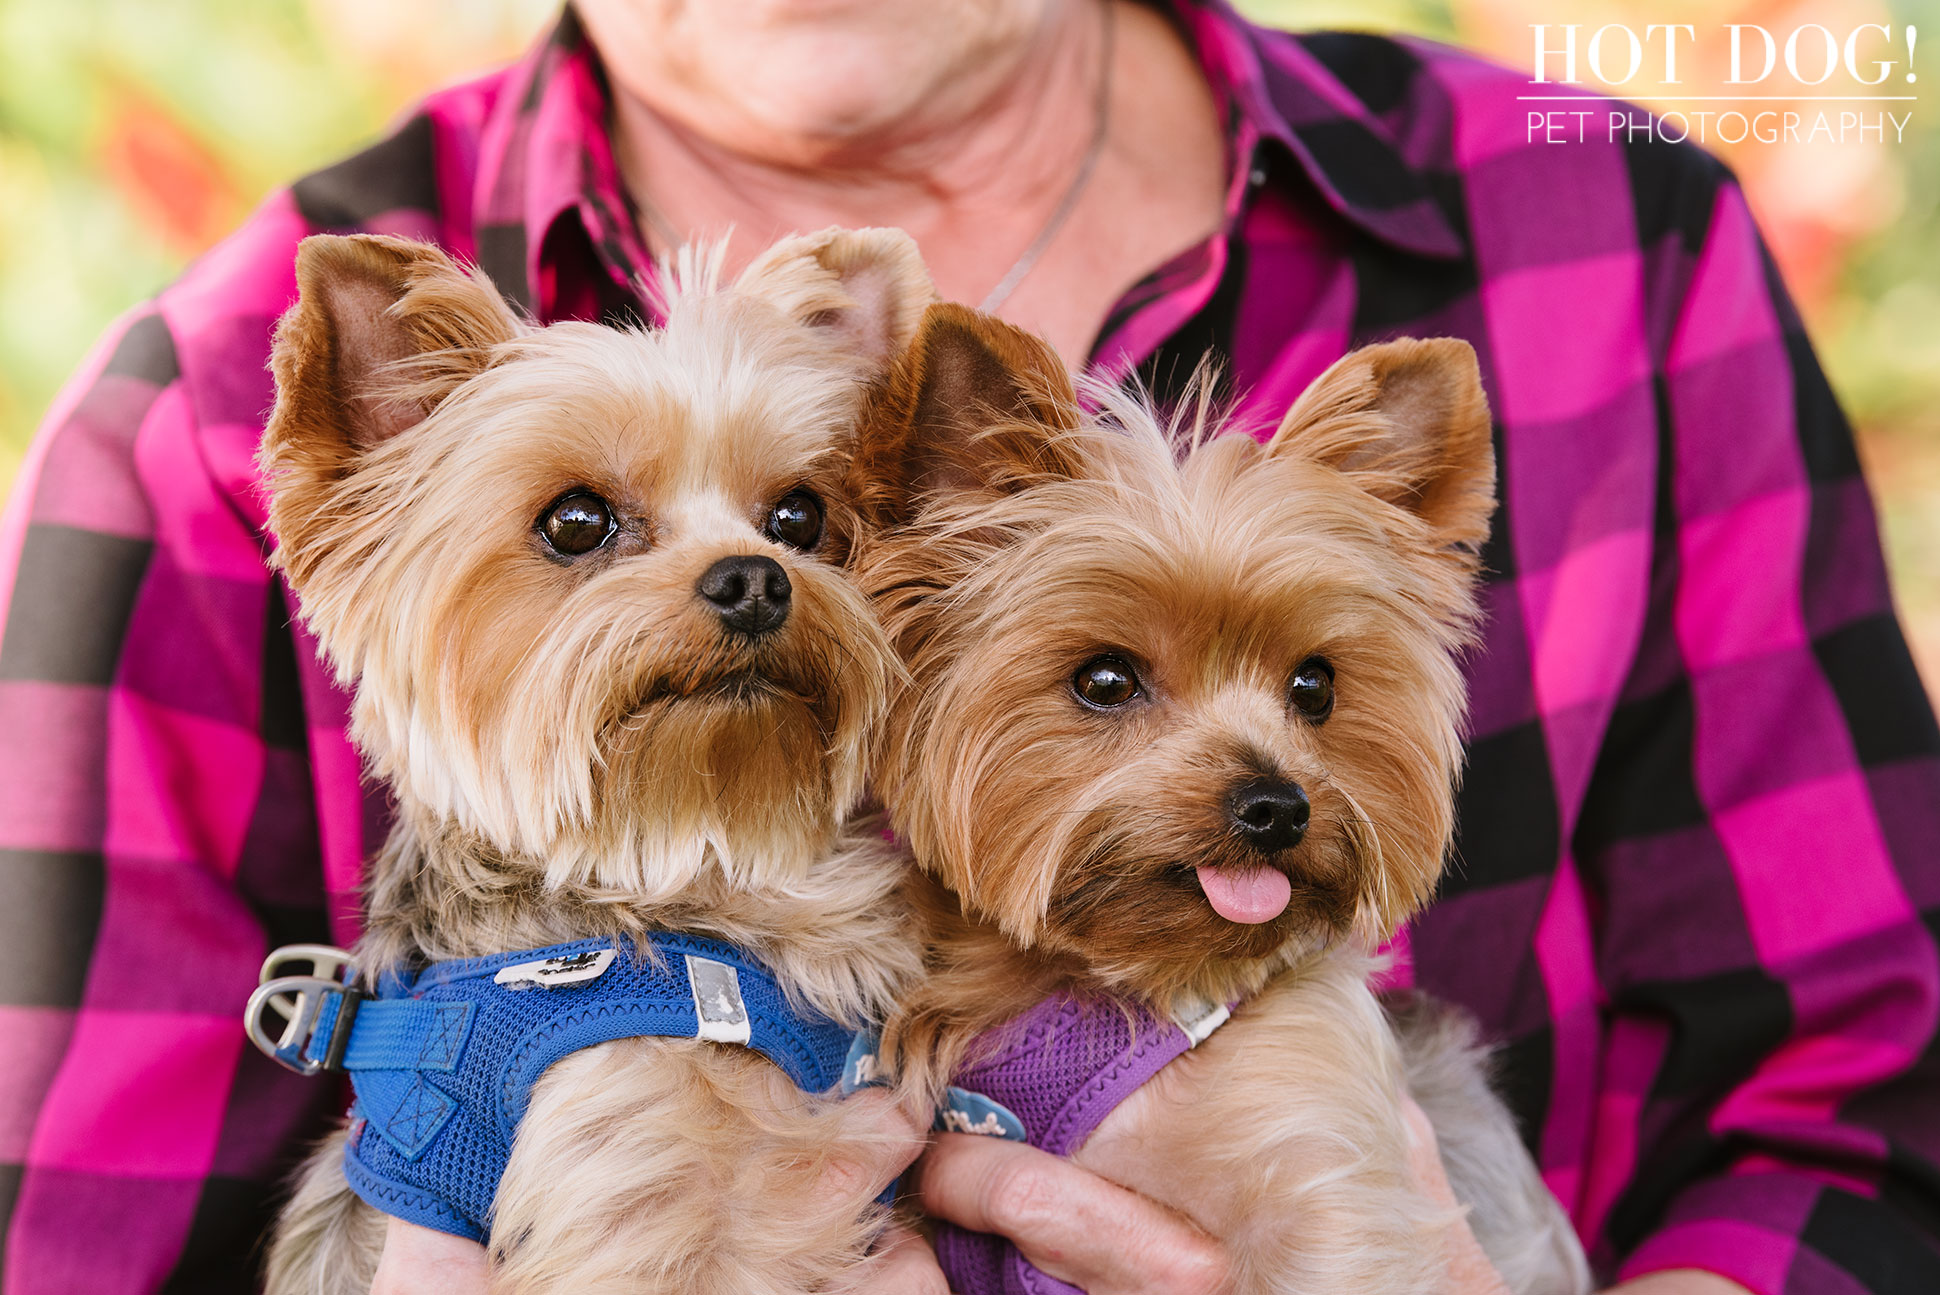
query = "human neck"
{"x": 971, "y": 170}
{"x": 971, "y": 155}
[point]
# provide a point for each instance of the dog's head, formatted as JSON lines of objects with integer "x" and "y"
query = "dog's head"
{"x": 591, "y": 585}
{"x": 1179, "y": 706}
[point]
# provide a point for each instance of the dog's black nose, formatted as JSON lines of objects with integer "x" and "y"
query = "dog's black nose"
{"x": 750, "y": 593}
{"x": 1270, "y": 814}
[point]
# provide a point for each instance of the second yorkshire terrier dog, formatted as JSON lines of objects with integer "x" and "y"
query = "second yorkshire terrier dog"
{"x": 591, "y": 588}
{"x": 1179, "y": 739}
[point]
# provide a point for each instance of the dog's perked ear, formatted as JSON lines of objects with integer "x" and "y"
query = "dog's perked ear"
{"x": 382, "y": 331}
{"x": 974, "y": 405}
{"x": 866, "y": 287}
{"x": 1407, "y": 421}
{"x": 367, "y": 307}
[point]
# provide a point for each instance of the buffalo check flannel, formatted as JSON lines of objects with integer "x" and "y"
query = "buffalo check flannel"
{"x": 1696, "y": 893}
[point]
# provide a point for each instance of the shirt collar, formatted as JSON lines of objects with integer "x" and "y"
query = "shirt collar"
{"x": 546, "y": 160}
{"x": 546, "y": 153}
{"x": 1275, "y": 84}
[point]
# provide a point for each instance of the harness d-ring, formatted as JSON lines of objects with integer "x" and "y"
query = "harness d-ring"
{"x": 300, "y": 1000}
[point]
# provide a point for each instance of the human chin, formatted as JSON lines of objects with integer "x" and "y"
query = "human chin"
{"x": 855, "y": 69}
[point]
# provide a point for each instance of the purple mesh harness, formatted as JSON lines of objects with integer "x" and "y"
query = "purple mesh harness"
{"x": 1049, "y": 1078}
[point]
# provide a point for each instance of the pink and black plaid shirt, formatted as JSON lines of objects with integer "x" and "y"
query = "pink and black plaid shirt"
{"x": 1697, "y": 891}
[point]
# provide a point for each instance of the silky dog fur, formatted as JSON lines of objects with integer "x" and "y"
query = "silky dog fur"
{"x": 577, "y": 742}
{"x": 1022, "y": 542}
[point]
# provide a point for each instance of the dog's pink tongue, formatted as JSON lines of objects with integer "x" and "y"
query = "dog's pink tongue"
{"x": 1248, "y": 895}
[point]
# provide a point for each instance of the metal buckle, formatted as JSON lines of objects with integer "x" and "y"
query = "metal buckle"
{"x": 326, "y": 961}
{"x": 299, "y": 1001}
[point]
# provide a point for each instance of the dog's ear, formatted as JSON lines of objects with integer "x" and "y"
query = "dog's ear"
{"x": 1406, "y": 421}
{"x": 382, "y": 331}
{"x": 866, "y": 287}
{"x": 974, "y": 405}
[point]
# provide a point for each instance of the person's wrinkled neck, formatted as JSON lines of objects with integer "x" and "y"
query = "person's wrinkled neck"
{"x": 839, "y": 122}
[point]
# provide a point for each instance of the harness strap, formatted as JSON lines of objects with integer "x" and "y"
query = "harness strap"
{"x": 1052, "y": 1075}
{"x": 443, "y": 1059}
{"x": 407, "y": 1034}
{"x": 1049, "y": 1078}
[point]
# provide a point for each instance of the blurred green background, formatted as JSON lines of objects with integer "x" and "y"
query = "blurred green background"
{"x": 134, "y": 134}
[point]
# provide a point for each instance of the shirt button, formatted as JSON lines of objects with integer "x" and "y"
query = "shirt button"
{"x": 1257, "y": 178}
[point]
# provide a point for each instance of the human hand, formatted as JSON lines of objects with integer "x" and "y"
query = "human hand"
{"x": 1068, "y": 1221}
{"x": 1469, "y": 1269}
{"x": 1680, "y": 1281}
{"x": 1090, "y": 1232}
{"x": 902, "y": 1262}
{"x": 1471, "y": 1273}
{"x": 419, "y": 1261}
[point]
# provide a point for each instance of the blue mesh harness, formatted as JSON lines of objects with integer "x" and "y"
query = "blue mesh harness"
{"x": 443, "y": 1060}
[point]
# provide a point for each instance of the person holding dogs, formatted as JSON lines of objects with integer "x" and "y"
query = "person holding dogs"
{"x": 1693, "y": 888}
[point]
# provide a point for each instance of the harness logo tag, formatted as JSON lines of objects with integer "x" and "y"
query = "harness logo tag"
{"x": 721, "y": 1015}
{"x": 549, "y": 973}
{"x": 959, "y": 1122}
{"x": 964, "y": 1111}
{"x": 863, "y": 1069}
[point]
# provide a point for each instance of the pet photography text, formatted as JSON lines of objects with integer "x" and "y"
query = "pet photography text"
{"x": 1809, "y": 83}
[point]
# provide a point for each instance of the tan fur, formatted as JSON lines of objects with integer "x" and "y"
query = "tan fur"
{"x": 1282, "y": 1135}
{"x": 1064, "y": 838}
{"x": 576, "y": 746}
{"x": 328, "y": 1241}
{"x": 710, "y": 1177}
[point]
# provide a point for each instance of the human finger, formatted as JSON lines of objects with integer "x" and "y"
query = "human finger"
{"x": 1424, "y": 1153}
{"x": 420, "y": 1261}
{"x": 1469, "y": 1269}
{"x": 884, "y": 1138}
{"x": 1068, "y": 1221}
{"x": 903, "y": 1264}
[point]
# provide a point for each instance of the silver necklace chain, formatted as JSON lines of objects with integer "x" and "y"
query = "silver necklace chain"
{"x": 1101, "y": 118}
{"x": 1101, "y": 127}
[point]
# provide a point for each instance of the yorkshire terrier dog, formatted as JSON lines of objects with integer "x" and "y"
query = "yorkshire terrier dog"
{"x": 592, "y": 589}
{"x": 1178, "y": 740}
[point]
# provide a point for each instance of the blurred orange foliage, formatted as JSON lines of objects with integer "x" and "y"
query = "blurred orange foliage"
{"x": 173, "y": 181}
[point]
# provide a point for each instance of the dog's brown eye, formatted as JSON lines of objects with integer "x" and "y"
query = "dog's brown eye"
{"x": 796, "y": 520}
{"x": 1312, "y": 690}
{"x": 1105, "y": 681}
{"x": 576, "y": 523}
